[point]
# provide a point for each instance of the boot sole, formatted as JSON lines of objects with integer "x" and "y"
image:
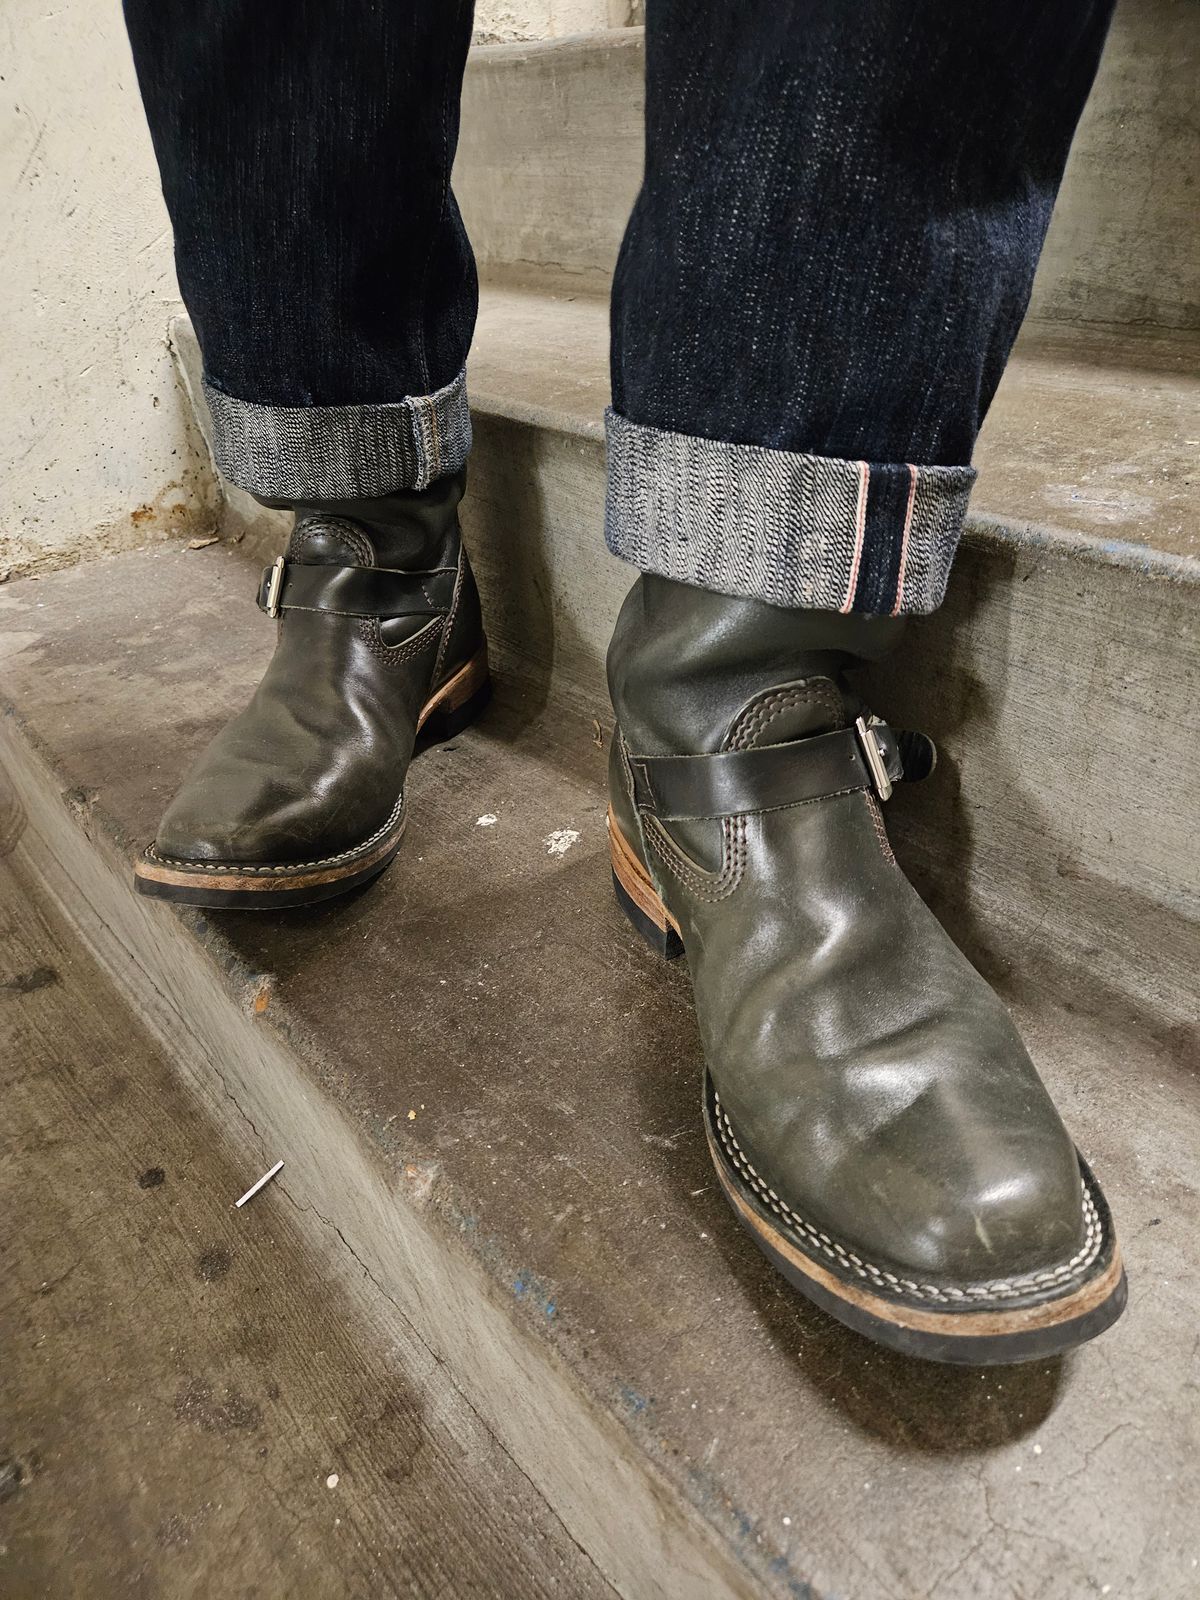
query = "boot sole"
{"x": 265, "y": 886}
{"x": 982, "y": 1333}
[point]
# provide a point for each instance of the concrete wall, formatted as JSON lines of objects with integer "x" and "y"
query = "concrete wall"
{"x": 98, "y": 450}
{"x": 500, "y": 21}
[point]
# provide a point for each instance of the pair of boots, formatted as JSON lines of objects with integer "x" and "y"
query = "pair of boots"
{"x": 873, "y": 1117}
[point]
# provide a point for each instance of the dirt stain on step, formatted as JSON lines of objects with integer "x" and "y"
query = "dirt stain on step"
{"x": 198, "y": 1403}
{"x": 27, "y": 982}
{"x": 214, "y": 1264}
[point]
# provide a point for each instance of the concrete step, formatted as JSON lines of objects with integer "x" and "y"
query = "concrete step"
{"x": 486, "y": 1092}
{"x": 1055, "y": 679}
{"x": 195, "y": 1405}
{"x": 551, "y": 156}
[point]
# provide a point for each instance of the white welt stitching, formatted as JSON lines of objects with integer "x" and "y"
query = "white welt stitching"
{"x": 289, "y": 866}
{"x": 1009, "y": 1288}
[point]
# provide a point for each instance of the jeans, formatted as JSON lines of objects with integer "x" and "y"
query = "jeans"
{"x": 840, "y": 217}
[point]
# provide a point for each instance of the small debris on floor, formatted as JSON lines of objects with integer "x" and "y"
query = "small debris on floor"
{"x": 412, "y": 1116}
{"x": 486, "y": 821}
{"x": 202, "y": 544}
{"x": 331, "y": 1482}
{"x": 561, "y": 840}
{"x": 597, "y": 733}
{"x": 262, "y": 1182}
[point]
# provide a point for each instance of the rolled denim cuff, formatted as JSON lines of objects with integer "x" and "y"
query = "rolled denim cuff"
{"x": 340, "y": 452}
{"x": 776, "y": 525}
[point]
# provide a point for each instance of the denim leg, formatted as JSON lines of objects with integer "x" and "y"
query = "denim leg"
{"x": 842, "y": 210}
{"x": 305, "y": 149}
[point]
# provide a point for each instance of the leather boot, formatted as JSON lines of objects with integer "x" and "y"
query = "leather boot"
{"x": 380, "y": 640}
{"x": 875, "y": 1121}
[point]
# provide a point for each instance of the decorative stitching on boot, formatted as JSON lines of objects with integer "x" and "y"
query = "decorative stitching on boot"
{"x": 889, "y": 1282}
{"x": 885, "y": 844}
{"x": 286, "y": 866}
{"x": 395, "y": 655}
{"x": 754, "y": 720}
{"x": 448, "y": 626}
{"x": 712, "y": 887}
{"x": 369, "y": 628}
{"x": 709, "y": 887}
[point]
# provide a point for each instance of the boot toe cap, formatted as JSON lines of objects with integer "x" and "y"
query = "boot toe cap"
{"x": 993, "y": 1206}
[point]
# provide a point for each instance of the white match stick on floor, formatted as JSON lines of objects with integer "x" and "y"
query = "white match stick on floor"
{"x": 262, "y": 1182}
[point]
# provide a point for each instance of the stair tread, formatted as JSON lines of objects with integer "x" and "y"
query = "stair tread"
{"x": 1092, "y": 436}
{"x": 238, "y": 1343}
{"x": 488, "y": 984}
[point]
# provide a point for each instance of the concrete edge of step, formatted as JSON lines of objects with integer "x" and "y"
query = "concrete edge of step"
{"x": 567, "y": 48}
{"x": 656, "y": 1527}
{"x": 1032, "y": 539}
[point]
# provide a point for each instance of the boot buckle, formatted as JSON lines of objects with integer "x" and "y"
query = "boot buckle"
{"x": 875, "y": 757}
{"x": 274, "y": 577}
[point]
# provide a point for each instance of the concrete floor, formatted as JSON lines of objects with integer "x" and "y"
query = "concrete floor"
{"x": 486, "y": 1091}
{"x": 190, "y": 1405}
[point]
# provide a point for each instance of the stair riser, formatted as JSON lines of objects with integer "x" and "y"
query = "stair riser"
{"x": 550, "y": 161}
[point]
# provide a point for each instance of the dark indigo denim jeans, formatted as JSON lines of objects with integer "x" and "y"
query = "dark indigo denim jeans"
{"x": 841, "y": 214}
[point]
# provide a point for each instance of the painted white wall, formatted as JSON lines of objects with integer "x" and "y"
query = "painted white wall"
{"x": 97, "y": 452}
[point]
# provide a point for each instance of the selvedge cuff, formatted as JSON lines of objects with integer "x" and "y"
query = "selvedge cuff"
{"x": 340, "y": 452}
{"x": 780, "y": 526}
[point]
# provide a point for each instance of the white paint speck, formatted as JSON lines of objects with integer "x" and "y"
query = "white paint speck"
{"x": 561, "y": 840}
{"x": 487, "y": 820}
{"x": 787, "y": 1522}
{"x": 1037, "y": 1449}
{"x": 331, "y": 1482}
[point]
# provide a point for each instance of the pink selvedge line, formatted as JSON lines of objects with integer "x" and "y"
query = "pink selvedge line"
{"x": 912, "y": 495}
{"x": 860, "y": 523}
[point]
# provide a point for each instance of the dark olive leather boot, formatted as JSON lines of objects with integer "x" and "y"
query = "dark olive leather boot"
{"x": 301, "y": 796}
{"x": 874, "y": 1118}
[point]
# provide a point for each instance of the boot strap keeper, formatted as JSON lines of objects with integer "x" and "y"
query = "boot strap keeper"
{"x": 355, "y": 591}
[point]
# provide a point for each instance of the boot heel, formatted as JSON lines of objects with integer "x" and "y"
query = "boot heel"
{"x": 442, "y": 725}
{"x": 457, "y": 703}
{"x": 638, "y": 898}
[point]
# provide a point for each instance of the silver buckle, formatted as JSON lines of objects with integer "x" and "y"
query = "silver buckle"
{"x": 874, "y": 757}
{"x": 275, "y": 586}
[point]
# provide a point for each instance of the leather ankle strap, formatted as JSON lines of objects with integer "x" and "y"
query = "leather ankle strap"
{"x": 355, "y": 591}
{"x": 868, "y": 756}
